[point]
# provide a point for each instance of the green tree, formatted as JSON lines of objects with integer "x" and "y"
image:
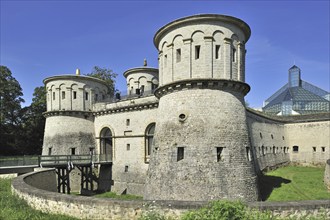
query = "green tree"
{"x": 10, "y": 111}
{"x": 34, "y": 123}
{"x": 107, "y": 75}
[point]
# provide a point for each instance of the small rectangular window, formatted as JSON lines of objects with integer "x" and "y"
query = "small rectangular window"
{"x": 126, "y": 169}
{"x": 295, "y": 149}
{"x": 74, "y": 94}
{"x": 128, "y": 122}
{"x": 53, "y": 95}
{"x": 178, "y": 55}
{"x": 217, "y": 52}
{"x": 219, "y": 154}
{"x": 96, "y": 96}
{"x": 49, "y": 151}
{"x": 63, "y": 95}
{"x": 180, "y": 154}
{"x": 73, "y": 151}
{"x": 128, "y": 147}
{"x": 197, "y": 52}
{"x": 86, "y": 96}
{"x": 314, "y": 149}
{"x": 323, "y": 149}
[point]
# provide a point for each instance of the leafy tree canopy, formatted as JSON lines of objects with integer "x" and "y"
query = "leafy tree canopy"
{"x": 10, "y": 111}
{"x": 105, "y": 74}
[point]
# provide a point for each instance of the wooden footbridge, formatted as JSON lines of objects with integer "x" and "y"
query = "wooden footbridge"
{"x": 63, "y": 165}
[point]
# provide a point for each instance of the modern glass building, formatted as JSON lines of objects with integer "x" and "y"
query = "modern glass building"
{"x": 297, "y": 97}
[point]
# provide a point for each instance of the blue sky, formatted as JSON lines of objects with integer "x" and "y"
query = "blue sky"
{"x": 40, "y": 39}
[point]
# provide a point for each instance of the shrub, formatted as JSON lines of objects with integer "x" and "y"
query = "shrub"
{"x": 226, "y": 210}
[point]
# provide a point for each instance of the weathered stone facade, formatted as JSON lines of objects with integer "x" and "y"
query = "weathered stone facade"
{"x": 190, "y": 139}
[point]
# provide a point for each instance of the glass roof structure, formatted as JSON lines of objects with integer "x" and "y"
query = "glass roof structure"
{"x": 297, "y": 97}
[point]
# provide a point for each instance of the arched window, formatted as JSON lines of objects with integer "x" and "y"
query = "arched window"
{"x": 149, "y": 136}
{"x": 295, "y": 149}
{"x": 106, "y": 143}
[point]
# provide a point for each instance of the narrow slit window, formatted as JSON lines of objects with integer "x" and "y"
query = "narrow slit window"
{"x": 323, "y": 149}
{"x": 217, "y": 52}
{"x": 128, "y": 147}
{"x": 74, "y": 95}
{"x": 126, "y": 169}
{"x": 180, "y": 155}
{"x": 96, "y": 97}
{"x": 197, "y": 51}
{"x": 86, "y": 96}
{"x": 49, "y": 151}
{"x": 314, "y": 149}
{"x": 263, "y": 150}
{"x": 178, "y": 55}
{"x": 73, "y": 151}
{"x": 219, "y": 154}
{"x": 234, "y": 55}
{"x": 63, "y": 95}
{"x": 165, "y": 61}
{"x": 53, "y": 95}
{"x": 128, "y": 122}
{"x": 248, "y": 153}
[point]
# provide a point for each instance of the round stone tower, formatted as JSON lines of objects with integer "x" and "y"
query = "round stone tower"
{"x": 201, "y": 145}
{"x": 69, "y": 125}
{"x": 141, "y": 80}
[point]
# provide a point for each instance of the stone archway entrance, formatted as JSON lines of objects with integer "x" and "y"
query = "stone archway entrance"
{"x": 106, "y": 143}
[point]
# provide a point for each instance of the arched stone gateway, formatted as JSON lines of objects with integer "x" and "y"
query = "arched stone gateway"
{"x": 106, "y": 143}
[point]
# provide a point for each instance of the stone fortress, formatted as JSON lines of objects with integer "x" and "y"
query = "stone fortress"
{"x": 183, "y": 131}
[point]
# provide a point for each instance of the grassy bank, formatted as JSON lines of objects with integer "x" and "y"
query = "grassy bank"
{"x": 13, "y": 208}
{"x": 293, "y": 183}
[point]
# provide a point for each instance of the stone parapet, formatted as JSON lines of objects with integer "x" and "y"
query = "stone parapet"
{"x": 97, "y": 208}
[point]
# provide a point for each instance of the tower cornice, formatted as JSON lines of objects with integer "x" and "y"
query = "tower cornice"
{"x": 216, "y": 84}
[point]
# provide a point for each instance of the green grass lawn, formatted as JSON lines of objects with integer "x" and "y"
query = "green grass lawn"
{"x": 13, "y": 208}
{"x": 293, "y": 183}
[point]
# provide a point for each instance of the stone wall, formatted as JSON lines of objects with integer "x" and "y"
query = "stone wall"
{"x": 43, "y": 179}
{"x": 268, "y": 141}
{"x": 128, "y": 121}
{"x": 209, "y": 141}
{"x": 97, "y": 208}
{"x": 311, "y": 140}
{"x": 65, "y": 131}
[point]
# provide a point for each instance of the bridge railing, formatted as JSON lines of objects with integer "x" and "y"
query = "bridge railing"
{"x": 54, "y": 160}
{"x": 15, "y": 161}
